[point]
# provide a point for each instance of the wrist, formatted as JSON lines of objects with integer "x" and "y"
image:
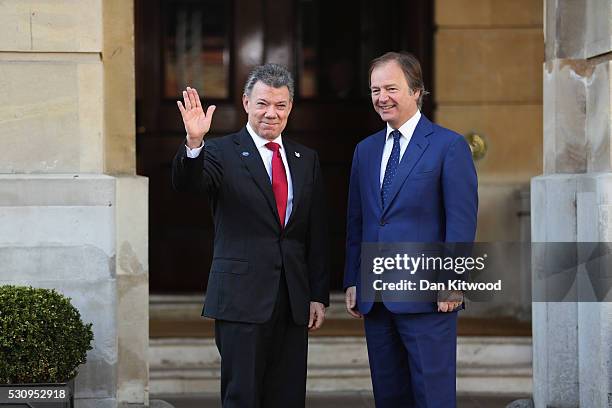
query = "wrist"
{"x": 194, "y": 143}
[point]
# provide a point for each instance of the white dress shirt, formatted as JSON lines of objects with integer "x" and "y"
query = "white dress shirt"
{"x": 407, "y": 129}
{"x": 266, "y": 157}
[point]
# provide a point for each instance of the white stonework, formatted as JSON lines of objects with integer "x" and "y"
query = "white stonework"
{"x": 486, "y": 365}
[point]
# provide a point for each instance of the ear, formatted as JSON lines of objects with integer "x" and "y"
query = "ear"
{"x": 245, "y": 103}
{"x": 289, "y": 107}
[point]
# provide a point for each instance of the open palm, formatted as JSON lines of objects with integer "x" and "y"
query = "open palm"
{"x": 197, "y": 123}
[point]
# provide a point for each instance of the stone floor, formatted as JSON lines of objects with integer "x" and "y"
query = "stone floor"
{"x": 332, "y": 400}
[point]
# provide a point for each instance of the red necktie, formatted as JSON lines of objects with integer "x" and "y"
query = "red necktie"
{"x": 279, "y": 181}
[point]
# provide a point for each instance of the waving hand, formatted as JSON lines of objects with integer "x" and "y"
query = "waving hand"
{"x": 197, "y": 123}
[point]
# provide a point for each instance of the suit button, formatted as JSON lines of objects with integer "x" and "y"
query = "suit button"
{"x": 383, "y": 223}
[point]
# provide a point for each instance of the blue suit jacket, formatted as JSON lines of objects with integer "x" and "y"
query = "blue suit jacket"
{"x": 434, "y": 198}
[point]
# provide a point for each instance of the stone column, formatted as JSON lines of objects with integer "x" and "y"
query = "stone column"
{"x": 571, "y": 203}
{"x": 73, "y": 213}
{"x": 487, "y": 76}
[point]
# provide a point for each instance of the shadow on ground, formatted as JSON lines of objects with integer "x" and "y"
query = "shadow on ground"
{"x": 331, "y": 400}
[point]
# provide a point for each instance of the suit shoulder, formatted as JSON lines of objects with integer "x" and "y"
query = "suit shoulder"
{"x": 221, "y": 145}
{"x": 368, "y": 141}
{"x": 221, "y": 141}
{"x": 447, "y": 136}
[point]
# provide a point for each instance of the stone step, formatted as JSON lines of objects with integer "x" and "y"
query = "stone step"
{"x": 486, "y": 365}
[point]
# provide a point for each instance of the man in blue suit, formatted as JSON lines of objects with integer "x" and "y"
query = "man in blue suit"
{"x": 413, "y": 181}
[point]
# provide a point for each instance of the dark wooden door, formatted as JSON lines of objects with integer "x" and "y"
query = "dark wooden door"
{"x": 212, "y": 45}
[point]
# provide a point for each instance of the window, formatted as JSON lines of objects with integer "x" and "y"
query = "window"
{"x": 196, "y": 47}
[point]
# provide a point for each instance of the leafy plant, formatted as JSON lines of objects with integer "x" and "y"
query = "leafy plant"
{"x": 42, "y": 336}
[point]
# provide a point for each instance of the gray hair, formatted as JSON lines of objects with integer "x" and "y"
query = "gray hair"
{"x": 273, "y": 75}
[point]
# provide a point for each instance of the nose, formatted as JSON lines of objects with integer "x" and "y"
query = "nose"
{"x": 383, "y": 95}
{"x": 271, "y": 112}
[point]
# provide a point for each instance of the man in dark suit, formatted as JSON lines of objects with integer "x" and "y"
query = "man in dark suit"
{"x": 268, "y": 282}
{"x": 412, "y": 182}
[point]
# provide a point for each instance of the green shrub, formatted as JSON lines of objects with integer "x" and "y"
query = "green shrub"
{"x": 42, "y": 336}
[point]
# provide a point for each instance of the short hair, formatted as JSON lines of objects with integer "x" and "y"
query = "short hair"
{"x": 411, "y": 67}
{"x": 273, "y": 75}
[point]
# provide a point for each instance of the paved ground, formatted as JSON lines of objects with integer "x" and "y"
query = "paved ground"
{"x": 331, "y": 400}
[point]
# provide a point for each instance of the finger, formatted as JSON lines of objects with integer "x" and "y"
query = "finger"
{"x": 313, "y": 327}
{"x": 210, "y": 111}
{"x": 350, "y": 306}
{"x": 354, "y": 313}
{"x": 311, "y": 319}
{"x": 186, "y": 100}
{"x": 181, "y": 108}
{"x": 320, "y": 320}
{"x": 197, "y": 98}
{"x": 348, "y": 301}
{"x": 192, "y": 98}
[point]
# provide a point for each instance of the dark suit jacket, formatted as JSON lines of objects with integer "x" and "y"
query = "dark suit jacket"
{"x": 250, "y": 247}
{"x": 433, "y": 198}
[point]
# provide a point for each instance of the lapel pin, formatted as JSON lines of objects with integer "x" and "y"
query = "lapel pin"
{"x": 245, "y": 154}
{"x": 297, "y": 154}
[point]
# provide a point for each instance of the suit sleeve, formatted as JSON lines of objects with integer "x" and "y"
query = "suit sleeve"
{"x": 317, "y": 243}
{"x": 200, "y": 175}
{"x": 353, "y": 226}
{"x": 460, "y": 192}
{"x": 460, "y": 195}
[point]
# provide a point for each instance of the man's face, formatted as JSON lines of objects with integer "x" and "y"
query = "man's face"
{"x": 392, "y": 98}
{"x": 268, "y": 109}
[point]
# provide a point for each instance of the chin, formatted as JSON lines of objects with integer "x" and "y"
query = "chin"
{"x": 387, "y": 117}
{"x": 269, "y": 135}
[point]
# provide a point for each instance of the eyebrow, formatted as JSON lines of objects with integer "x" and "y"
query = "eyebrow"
{"x": 384, "y": 86}
{"x": 268, "y": 102}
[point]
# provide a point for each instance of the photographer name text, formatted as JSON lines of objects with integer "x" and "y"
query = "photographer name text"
{"x": 424, "y": 284}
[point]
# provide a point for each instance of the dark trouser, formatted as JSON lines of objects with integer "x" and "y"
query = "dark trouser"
{"x": 412, "y": 358}
{"x": 263, "y": 365}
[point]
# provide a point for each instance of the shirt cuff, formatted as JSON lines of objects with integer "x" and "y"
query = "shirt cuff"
{"x": 193, "y": 153}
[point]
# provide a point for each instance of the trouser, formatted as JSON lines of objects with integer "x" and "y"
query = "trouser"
{"x": 412, "y": 358}
{"x": 263, "y": 365}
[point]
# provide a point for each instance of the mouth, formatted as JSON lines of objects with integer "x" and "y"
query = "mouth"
{"x": 386, "y": 108}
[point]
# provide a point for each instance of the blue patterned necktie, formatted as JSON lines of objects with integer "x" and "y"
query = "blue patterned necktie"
{"x": 391, "y": 169}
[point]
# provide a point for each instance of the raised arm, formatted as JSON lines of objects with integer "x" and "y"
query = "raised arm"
{"x": 196, "y": 167}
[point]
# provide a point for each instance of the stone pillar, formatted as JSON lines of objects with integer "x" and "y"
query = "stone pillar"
{"x": 571, "y": 203}
{"x": 487, "y": 75}
{"x": 73, "y": 213}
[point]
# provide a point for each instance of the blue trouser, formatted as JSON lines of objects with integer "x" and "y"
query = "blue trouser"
{"x": 413, "y": 358}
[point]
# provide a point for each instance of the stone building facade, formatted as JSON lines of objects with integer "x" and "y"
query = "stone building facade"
{"x": 73, "y": 212}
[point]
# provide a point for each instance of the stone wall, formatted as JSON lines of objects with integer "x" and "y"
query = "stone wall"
{"x": 571, "y": 202}
{"x": 487, "y": 80}
{"x": 73, "y": 213}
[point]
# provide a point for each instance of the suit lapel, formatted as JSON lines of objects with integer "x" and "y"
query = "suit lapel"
{"x": 298, "y": 169}
{"x": 414, "y": 151}
{"x": 248, "y": 153}
{"x": 374, "y": 165}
